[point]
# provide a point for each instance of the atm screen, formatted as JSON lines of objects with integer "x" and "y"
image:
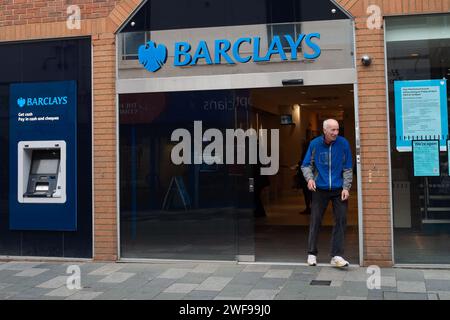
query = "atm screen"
{"x": 45, "y": 166}
{"x": 45, "y": 162}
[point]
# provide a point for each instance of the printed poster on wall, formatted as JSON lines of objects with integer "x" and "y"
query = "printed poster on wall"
{"x": 420, "y": 112}
{"x": 426, "y": 158}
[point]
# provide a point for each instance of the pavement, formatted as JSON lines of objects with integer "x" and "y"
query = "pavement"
{"x": 22, "y": 280}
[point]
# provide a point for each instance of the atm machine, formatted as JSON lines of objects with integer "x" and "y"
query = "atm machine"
{"x": 41, "y": 172}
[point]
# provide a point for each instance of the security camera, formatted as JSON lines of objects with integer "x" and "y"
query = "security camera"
{"x": 366, "y": 60}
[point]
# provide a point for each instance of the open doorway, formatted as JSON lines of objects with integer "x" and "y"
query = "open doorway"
{"x": 298, "y": 112}
{"x": 196, "y": 210}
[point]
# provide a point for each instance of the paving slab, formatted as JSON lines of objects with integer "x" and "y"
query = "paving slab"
{"x": 278, "y": 273}
{"x": 107, "y": 269}
{"x": 261, "y": 294}
{"x": 84, "y": 295}
{"x": 436, "y": 274}
{"x": 201, "y": 295}
{"x": 32, "y": 272}
{"x": 249, "y": 278}
{"x": 270, "y": 283}
{"x": 409, "y": 275}
{"x": 256, "y": 268}
{"x": 180, "y": 288}
{"x": 206, "y": 268}
{"x": 54, "y": 283}
{"x": 405, "y": 296}
{"x": 214, "y": 283}
{"x": 411, "y": 286}
{"x": 117, "y": 277}
{"x": 174, "y": 273}
{"x": 437, "y": 285}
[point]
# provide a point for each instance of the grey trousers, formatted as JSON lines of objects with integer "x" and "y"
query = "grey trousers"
{"x": 320, "y": 200}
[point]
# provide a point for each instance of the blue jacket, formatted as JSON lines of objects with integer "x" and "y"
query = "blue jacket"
{"x": 329, "y": 165}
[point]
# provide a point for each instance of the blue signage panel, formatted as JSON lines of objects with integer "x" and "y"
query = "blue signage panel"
{"x": 153, "y": 56}
{"x": 426, "y": 158}
{"x": 420, "y": 112}
{"x": 40, "y": 113}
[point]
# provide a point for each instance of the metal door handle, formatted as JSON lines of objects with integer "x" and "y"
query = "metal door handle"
{"x": 251, "y": 185}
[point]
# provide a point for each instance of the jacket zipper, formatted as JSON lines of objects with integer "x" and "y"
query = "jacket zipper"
{"x": 329, "y": 164}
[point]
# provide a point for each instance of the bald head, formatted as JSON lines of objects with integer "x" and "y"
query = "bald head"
{"x": 330, "y": 130}
{"x": 330, "y": 122}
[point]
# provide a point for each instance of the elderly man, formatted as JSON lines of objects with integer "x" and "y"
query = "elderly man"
{"x": 327, "y": 168}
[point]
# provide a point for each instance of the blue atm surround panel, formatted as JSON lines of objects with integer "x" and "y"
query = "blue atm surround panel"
{"x": 43, "y": 112}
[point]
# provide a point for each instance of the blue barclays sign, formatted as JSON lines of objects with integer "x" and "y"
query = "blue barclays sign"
{"x": 153, "y": 56}
{"x": 42, "y": 101}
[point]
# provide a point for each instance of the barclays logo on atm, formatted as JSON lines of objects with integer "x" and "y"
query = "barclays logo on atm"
{"x": 42, "y": 101}
{"x": 21, "y": 102}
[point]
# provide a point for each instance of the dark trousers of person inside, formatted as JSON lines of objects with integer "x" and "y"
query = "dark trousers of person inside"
{"x": 320, "y": 200}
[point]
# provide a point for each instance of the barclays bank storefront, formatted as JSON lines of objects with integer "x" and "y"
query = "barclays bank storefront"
{"x": 191, "y": 79}
{"x": 168, "y": 129}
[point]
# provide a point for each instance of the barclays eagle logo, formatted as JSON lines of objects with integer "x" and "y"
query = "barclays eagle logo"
{"x": 152, "y": 56}
{"x": 21, "y": 102}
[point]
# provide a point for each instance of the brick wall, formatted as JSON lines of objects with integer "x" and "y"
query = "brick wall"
{"x": 17, "y": 12}
{"x": 105, "y": 169}
{"x": 373, "y": 120}
{"x": 105, "y": 197}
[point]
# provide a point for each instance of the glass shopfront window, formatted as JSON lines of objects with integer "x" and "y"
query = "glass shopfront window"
{"x": 418, "y": 64}
{"x": 183, "y": 211}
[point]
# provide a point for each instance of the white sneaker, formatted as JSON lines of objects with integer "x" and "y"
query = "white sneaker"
{"x": 339, "y": 262}
{"x": 312, "y": 260}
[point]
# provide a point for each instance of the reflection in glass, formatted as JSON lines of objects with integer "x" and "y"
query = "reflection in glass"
{"x": 187, "y": 211}
{"x": 131, "y": 43}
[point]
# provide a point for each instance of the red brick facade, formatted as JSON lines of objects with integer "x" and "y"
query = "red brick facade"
{"x": 18, "y": 12}
{"x": 28, "y": 19}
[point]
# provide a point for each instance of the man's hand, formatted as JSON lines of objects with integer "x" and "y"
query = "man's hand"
{"x": 345, "y": 195}
{"x": 312, "y": 185}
